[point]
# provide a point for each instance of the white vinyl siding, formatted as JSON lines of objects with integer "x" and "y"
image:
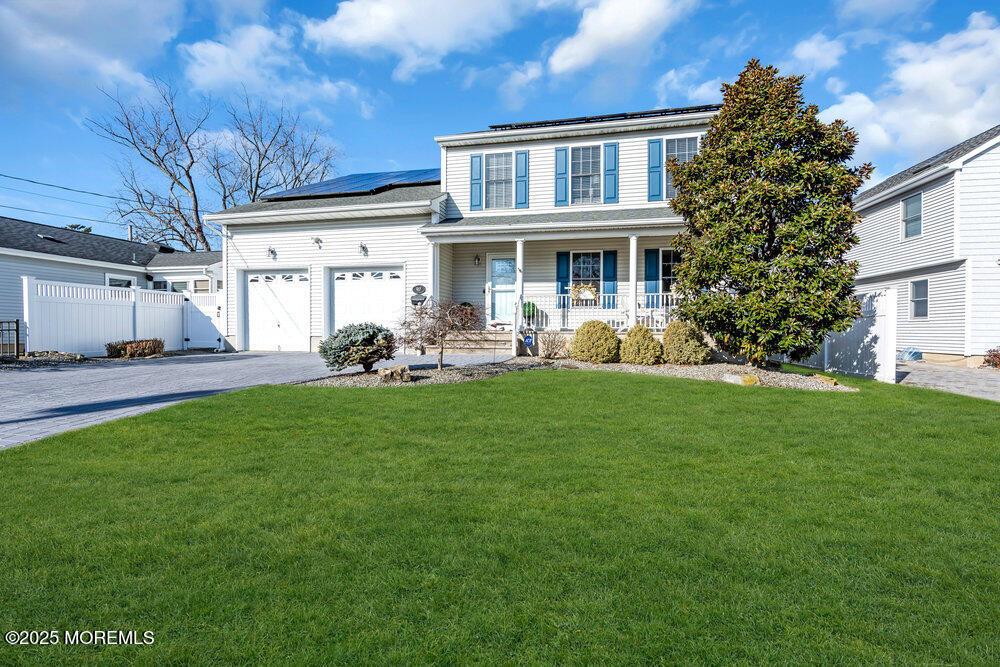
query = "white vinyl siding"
{"x": 943, "y": 330}
{"x": 585, "y": 175}
{"x": 389, "y": 242}
{"x": 682, "y": 150}
{"x": 12, "y": 268}
{"x": 499, "y": 180}
{"x": 912, "y": 216}
{"x": 883, "y": 248}
{"x": 979, "y": 240}
{"x": 632, "y": 172}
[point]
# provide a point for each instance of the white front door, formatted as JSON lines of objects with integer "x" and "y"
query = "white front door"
{"x": 501, "y": 289}
{"x": 278, "y": 311}
{"x": 369, "y": 295}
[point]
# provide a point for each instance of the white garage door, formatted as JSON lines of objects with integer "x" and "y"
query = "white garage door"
{"x": 278, "y": 311}
{"x": 373, "y": 295}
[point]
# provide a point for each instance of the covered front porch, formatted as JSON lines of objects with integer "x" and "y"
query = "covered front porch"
{"x": 557, "y": 281}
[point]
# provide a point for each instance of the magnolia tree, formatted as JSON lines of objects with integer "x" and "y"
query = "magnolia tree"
{"x": 441, "y": 323}
{"x": 767, "y": 204}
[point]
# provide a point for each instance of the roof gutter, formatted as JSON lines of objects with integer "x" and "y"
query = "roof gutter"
{"x": 447, "y": 230}
{"x": 919, "y": 179}
{"x": 392, "y": 209}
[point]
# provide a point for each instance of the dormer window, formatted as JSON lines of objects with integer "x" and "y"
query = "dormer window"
{"x": 585, "y": 183}
{"x": 499, "y": 180}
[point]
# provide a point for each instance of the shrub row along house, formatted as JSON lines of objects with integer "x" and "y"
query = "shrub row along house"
{"x": 546, "y": 224}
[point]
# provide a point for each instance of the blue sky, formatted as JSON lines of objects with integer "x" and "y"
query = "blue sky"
{"x": 381, "y": 78}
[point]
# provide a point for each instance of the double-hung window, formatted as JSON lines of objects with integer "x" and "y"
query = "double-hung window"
{"x": 669, "y": 259}
{"x": 499, "y": 180}
{"x": 585, "y": 269}
{"x": 912, "y": 216}
{"x": 682, "y": 150}
{"x": 919, "y": 299}
{"x": 585, "y": 173}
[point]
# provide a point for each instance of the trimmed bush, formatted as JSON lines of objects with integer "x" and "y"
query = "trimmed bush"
{"x": 134, "y": 349}
{"x": 641, "y": 347}
{"x": 992, "y": 358}
{"x": 361, "y": 344}
{"x": 684, "y": 344}
{"x": 596, "y": 342}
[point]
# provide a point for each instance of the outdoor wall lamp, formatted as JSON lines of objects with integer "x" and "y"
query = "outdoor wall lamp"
{"x": 477, "y": 261}
{"x": 318, "y": 241}
{"x": 363, "y": 249}
{"x": 272, "y": 253}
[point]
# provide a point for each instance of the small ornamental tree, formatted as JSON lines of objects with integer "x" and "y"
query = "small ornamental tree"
{"x": 362, "y": 344}
{"x": 442, "y": 323}
{"x": 767, "y": 204}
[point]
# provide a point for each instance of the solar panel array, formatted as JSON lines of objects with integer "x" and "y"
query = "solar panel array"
{"x": 359, "y": 184}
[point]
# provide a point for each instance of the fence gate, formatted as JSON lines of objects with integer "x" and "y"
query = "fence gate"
{"x": 203, "y": 320}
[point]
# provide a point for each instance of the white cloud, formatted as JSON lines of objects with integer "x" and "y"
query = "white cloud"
{"x": 82, "y": 43}
{"x": 419, "y": 32}
{"x": 816, "y": 54}
{"x": 263, "y": 61}
{"x": 937, "y": 94}
{"x": 518, "y": 82}
{"x": 835, "y": 85}
{"x": 616, "y": 30}
{"x": 682, "y": 83}
{"x": 879, "y": 11}
{"x": 230, "y": 12}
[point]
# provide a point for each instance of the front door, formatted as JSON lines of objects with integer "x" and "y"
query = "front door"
{"x": 501, "y": 289}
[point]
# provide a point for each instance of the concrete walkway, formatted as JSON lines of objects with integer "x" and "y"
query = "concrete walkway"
{"x": 41, "y": 401}
{"x": 976, "y": 382}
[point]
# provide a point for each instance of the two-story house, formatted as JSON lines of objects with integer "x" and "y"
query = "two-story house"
{"x": 543, "y": 224}
{"x": 932, "y": 231}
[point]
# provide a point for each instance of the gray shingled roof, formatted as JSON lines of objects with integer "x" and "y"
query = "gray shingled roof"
{"x": 35, "y": 237}
{"x": 943, "y": 157}
{"x": 395, "y": 195}
{"x": 610, "y": 215}
{"x": 201, "y": 258}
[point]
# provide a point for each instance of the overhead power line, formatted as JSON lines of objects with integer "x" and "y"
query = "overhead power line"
{"x": 73, "y": 201}
{"x": 58, "y": 215}
{"x": 63, "y": 187}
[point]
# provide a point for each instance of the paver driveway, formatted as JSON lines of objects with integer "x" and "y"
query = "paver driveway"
{"x": 977, "y": 382}
{"x": 36, "y": 402}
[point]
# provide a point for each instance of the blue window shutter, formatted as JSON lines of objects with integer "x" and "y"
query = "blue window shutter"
{"x": 652, "y": 277}
{"x": 521, "y": 179}
{"x": 476, "y": 182}
{"x": 655, "y": 179}
{"x": 611, "y": 173}
{"x": 562, "y": 273}
{"x": 609, "y": 276}
{"x": 562, "y": 177}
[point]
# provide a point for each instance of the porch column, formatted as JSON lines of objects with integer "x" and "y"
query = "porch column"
{"x": 518, "y": 290}
{"x": 433, "y": 257}
{"x": 633, "y": 278}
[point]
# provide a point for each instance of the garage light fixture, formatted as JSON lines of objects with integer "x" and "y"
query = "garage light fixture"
{"x": 318, "y": 241}
{"x": 477, "y": 261}
{"x": 363, "y": 249}
{"x": 272, "y": 253}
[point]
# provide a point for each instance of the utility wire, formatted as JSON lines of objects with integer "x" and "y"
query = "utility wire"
{"x": 62, "y": 187}
{"x": 73, "y": 201}
{"x": 58, "y": 215}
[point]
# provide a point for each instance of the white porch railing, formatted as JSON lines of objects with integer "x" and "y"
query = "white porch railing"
{"x": 561, "y": 312}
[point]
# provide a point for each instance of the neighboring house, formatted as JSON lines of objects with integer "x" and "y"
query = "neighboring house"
{"x": 55, "y": 253}
{"x": 196, "y": 272}
{"x": 569, "y": 217}
{"x": 932, "y": 231}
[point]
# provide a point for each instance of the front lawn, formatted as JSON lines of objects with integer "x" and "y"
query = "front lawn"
{"x": 545, "y": 516}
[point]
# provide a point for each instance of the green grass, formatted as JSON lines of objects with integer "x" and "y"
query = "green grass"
{"x": 549, "y": 516}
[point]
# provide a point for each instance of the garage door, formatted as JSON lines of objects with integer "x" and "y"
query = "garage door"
{"x": 373, "y": 295}
{"x": 278, "y": 311}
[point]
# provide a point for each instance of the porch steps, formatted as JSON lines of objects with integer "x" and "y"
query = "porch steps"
{"x": 482, "y": 342}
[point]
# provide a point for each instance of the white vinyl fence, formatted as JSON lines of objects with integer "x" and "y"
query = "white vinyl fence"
{"x": 79, "y": 318}
{"x": 869, "y": 347}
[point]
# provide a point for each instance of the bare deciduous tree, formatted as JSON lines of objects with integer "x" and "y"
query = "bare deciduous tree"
{"x": 176, "y": 169}
{"x": 441, "y": 323}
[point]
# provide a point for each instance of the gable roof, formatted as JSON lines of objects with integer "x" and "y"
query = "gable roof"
{"x": 396, "y": 194}
{"x": 165, "y": 260}
{"x": 944, "y": 157}
{"x": 369, "y": 183}
{"x": 35, "y": 237}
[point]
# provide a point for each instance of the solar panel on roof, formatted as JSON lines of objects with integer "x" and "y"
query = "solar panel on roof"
{"x": 367, "y": 183}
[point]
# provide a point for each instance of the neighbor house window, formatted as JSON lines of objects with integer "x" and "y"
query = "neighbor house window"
{"x": 669, "y": 259}
{"x": 682, "y": 150}
{"x": 499, "y": 180}
{"x": 118, "y": 281}
{"x": 202, "y": 286}
{"x": 586, "y": 269}
{"x": 918, "y": 298}
{"x": 218, "y": 285}
{"x": 912, "y": 218}
{"x": 586, "y": 175}
{"x": 160, "y": 284}
{"x": 182, "y": 286}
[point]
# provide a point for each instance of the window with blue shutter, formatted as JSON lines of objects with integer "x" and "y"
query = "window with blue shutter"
{"x": 655, "y": 176}
{"x": 521, "y": 179}
{"x": 611, "y": 173}
{"x": 562, "y": 279}
{"x": 476, "y": 182}
{"x": 652, "y": 277}
{"x": 609, "y": 278}
{"x": 562, "y": 177}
